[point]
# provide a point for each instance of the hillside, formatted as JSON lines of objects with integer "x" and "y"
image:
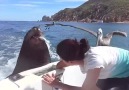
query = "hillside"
{"x": 95, "y": 10}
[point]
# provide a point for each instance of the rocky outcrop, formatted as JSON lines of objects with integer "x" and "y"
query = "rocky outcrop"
{"x": 46, "y": 18}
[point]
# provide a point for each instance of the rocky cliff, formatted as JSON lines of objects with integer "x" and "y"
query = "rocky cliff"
{"x": 96, "y": 10}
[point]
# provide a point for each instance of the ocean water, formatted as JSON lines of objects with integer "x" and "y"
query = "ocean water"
{"x": 12, "y": 34}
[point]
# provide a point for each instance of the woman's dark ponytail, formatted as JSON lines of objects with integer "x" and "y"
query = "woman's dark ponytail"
{"x": 84, "y": 47}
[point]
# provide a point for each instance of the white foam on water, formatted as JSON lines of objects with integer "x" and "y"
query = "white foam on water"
{"x": 7, "y": 69}
{"x": 8, "y": 55}
{"x": 52, "y": 50}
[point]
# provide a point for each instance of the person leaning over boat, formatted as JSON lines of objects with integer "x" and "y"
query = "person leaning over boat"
{"x": 106, "y": 67}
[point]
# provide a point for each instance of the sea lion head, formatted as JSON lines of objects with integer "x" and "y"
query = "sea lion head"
{"x": 34, "y": 38}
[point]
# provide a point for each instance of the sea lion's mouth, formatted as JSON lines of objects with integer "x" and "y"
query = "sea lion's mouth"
{"x": 35, "y": 37}
{"x": 36, "y": 33}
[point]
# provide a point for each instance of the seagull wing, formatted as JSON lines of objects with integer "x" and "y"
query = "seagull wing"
{"x": 120, "y": 33}
{"x": 84, "y": 29}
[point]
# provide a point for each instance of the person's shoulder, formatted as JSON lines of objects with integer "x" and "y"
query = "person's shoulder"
{"x": 118, "y": 48}
{"x": 105, "y": 47}
{"x": 122, "y": 50}
{"x": 98, "y": 48}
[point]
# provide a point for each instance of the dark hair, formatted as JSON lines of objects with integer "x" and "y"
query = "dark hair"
{"x": 71, "y": 49}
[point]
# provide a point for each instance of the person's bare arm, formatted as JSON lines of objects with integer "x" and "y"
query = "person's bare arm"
{"x": 52, "y": 81}
{"x": 91, "y": 79}
{"x": 61, "y": 64}
{"x": 89, "y": 83}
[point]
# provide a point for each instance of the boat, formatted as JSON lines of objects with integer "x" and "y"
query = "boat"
{"x": 96, "y": 21}
{"x": 32, "y": 79}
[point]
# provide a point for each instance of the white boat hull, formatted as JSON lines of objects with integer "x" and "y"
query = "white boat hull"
{"x": 72, "y": 76}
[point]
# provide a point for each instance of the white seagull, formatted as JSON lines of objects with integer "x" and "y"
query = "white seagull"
{"x": 105, "y": 40}
{"x": 101, "y": 40}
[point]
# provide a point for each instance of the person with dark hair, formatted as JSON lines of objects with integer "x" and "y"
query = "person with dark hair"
{"x": 107, "y": 67}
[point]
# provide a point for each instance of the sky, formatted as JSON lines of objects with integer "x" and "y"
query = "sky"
{"x": 33, "y": 10}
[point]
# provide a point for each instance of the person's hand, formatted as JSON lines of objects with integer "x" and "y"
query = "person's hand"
{"x": 51, "y": 80}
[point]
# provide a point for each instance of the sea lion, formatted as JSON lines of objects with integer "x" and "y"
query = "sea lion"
{"x": 34, "y": 51}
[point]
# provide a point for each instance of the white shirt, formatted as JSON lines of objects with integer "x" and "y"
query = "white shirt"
{"x": 114, "y": 61}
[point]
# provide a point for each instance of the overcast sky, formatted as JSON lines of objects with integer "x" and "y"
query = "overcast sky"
{"x": 33, "y": 10}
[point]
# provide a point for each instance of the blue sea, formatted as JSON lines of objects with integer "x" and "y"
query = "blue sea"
{"x": 12, "y": 34}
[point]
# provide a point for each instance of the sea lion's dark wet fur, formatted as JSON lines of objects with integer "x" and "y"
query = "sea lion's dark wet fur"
{"x": 34, "y": 51}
